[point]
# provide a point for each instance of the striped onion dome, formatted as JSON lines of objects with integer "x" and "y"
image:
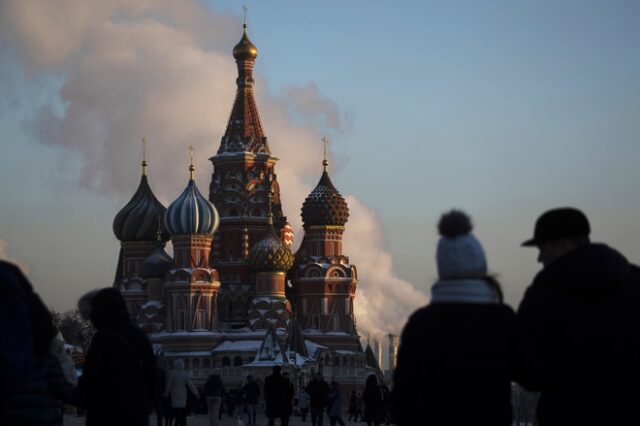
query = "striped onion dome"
{"x": 157, "y": 264}
{"x": 270, "y": 254}
{"x": 191, "y": 213}
{"x": 324, "y": 205}
{"x": 138, "y": 220}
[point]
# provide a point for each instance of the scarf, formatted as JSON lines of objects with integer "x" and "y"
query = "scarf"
{"x": 463, "y": 291}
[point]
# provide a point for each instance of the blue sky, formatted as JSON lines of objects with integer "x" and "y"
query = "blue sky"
{"x": 502, "y": 108}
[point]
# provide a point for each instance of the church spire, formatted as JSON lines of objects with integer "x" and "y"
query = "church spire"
{"x": 244, "y": 130}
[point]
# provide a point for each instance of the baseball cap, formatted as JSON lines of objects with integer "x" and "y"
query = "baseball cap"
{"x": 565, "y": 222}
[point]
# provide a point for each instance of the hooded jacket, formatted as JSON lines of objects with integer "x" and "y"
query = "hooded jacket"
{"x": 580, "y": 320}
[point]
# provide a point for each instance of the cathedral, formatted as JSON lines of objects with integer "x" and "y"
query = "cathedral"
{"x": 234, "y": 299}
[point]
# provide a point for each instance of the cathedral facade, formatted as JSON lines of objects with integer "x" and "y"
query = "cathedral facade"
{"x": 233, "y": 299}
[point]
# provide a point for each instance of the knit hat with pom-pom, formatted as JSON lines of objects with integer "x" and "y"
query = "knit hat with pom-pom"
{"x": 460, "y": 254}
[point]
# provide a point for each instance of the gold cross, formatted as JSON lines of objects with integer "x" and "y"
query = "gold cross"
{"x": 325, "y": 162}
{"x": 144, "y": 156}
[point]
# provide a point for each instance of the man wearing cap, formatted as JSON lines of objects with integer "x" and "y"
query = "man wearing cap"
{"x": 580, "y": 321}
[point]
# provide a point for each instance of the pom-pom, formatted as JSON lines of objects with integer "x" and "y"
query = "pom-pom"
{"x": 454, "y": 223}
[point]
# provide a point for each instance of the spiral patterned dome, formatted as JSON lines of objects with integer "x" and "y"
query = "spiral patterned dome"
{"x": 157, "y": 264}
{"x": 270, "y": 254}
{"x": 191, "y": 213}
{"x": 138, "y": 220}
{"x": 324, "y": 205}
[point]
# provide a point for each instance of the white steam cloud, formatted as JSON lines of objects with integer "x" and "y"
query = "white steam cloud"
{"x": 163, "y": 69}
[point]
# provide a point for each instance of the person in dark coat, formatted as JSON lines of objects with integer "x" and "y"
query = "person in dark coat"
{"x": 288, "y": 397}
{"x": 276, "y": 391}
{"x": 352, "y": 406}
{"x": 335, "y": 405}
{"x": 580, "y": 318}
{"x": 318, "y": 391}
{"x": 118, "y": 382}
{"x": 160, "y": 405}
{"x": 252, "y": 394}
{"x": 214, "y": 393}
{"x": 40, "y": 386}
{"x": 372, "y": 398}
{"x": 457, "y": 355}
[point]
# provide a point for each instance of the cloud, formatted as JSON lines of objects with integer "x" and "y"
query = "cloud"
{"x": 4, "y": 255}
{"x": 163, "y": 69}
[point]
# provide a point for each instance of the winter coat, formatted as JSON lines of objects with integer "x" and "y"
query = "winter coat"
{"x": 278, "y": 396}
{"x": 118, "y": 381}
{"x": 303, "y": 399}
{"x": 373, "y": 410}
{"x": 211, "y": 389}
{"x": 40, "y": 403}
{"x": 178, "y": 384}
{"x": 26, "y": 330}
{"x": 580, "y": 318}
{"x": 252, "y": 392}
{"x": 335, "y": 404}
{"x": 455, "y": 364}
{"x": 318, "y": 393}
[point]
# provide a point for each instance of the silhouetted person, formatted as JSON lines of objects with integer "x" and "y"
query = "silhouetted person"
{"x": 118, "y": 381}
{"x": 372, "y": 398}
{"x": 335, "y": 405}
{"x": 580, "y": 317}
{"x": 276, "y": 393}
{"x": 289, "y": 395}
{"x": 303, "y": 403}
{"x": 456, "y": 357}
{"x": 159, "y": 403}
{"x": 318, "y": 391}
{"x": 251, "y": 392}
{"x": 178, "y": 385}
{"x": 352, "y": 406}
{"x": 33, "y": 394}
{"x": 214, "y": 392}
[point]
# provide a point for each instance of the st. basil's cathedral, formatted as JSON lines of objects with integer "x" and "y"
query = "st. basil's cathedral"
{"x": 234, "y": 299}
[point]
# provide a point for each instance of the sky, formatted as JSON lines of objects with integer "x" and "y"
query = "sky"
{"x": 503, "y": 109}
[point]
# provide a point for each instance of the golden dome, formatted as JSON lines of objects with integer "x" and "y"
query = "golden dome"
{"x": 245, "y": 50}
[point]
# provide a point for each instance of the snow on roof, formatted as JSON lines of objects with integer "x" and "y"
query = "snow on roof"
{"x": 344, "y": 352}
{"x": 312, "y": 347}
{"x": 156, "y": 303}
{"x": 188, "y": 353}
{"x": 239, "y": 346}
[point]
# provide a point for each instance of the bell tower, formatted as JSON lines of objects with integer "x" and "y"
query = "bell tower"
{"x": 243, "y": 177}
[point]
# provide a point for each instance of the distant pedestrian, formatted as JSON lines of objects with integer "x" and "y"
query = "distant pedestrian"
{"x": 352, "y": 406}
{"x": 456, "y": 359}
{"x": 118, "y": 381}
{"x": 303, "y": 403}
{"x": 289, "y": 395}
{"x": 251, "y": 392}
{"x": 318, "y": 391}
{"x": 178, "y": 386}
{"x": 335, "y": 405}
{"x": 359, "y": 407}
{"x": 159, "y": 401}
{"x": 214, "y": 393}
{"x": 580, "y": 318}
{"x": 276, "y": 390}
{"x": 372, "y": 398}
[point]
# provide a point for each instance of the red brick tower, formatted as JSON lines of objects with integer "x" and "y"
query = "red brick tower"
{"x": 324, "y": 283}
{"x": 243, "y": 176}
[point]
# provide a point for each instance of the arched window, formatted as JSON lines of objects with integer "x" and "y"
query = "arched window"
{"x": 237, "y": 361}
{"x": 226, "y": 362}
{"x": 196, "y": 363}
{"x": 206, "y": 363}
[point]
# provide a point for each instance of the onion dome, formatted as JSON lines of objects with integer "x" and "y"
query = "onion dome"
{"x": 137, "y": 221}
{"x": 325, "y": 206}
{"x": 157, "y": 264}
{"x": 191, "y": 213}
{"x": 245, "y": 50}
{"x": 270, "y": 254}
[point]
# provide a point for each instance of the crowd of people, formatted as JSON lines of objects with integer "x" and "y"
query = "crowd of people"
{"x": 573, "y": 339}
